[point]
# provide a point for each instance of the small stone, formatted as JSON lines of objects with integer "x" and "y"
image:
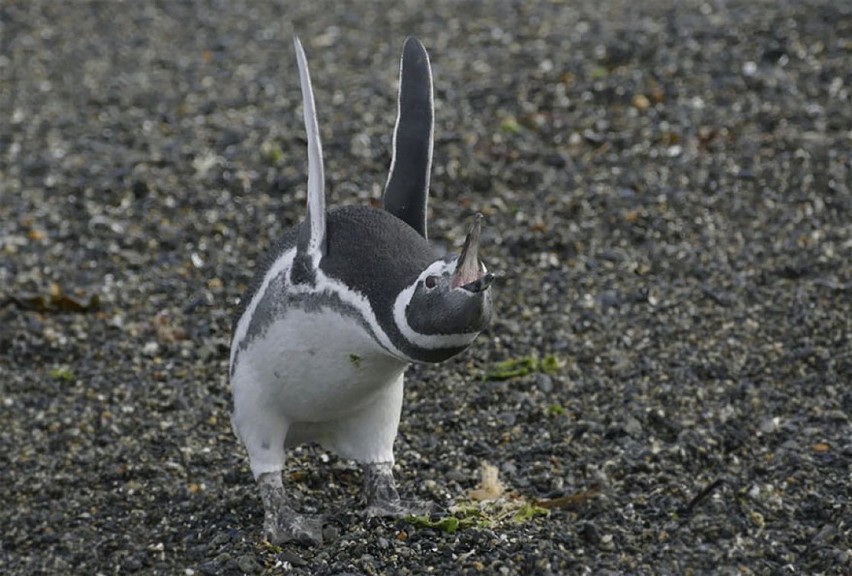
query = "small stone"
{"x": 247, "y": 564}
{"x": 674, "y": 151}
{"x": 220, "y": 539}
{"x": 544, "y": 383}
{"x": 133, "y": 563}
{"x": 641, "y": 102}
{"x": 590, "y": 533}
{"x": 508, "y": 418}
{"x": 456, "y": 475}
{"x": 360, "y": 146}
{"x": 330, "y": 533}
{"x": 633, "y": 427}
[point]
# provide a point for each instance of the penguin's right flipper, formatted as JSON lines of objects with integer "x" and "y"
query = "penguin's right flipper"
{"x": 407, "y": 188}
{"x": 311, "y": 240}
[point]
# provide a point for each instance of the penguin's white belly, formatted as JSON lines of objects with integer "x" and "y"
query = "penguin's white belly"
{"x": 315, "y": 367}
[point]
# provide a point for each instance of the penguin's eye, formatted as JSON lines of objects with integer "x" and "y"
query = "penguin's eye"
{"x": 431, "y": 281}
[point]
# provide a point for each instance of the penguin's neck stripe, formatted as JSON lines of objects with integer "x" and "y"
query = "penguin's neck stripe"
{"x": 282, "y": 264}
{"x": 323, "y": 284}
{"x": 426, "y": 341}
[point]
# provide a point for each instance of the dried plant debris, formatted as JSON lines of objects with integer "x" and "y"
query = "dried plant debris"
{"x": 490, "y": 487}
{"x": 56, "y": 300}
{"x": 569, "y": 501}
{"x": 489, "y": 505}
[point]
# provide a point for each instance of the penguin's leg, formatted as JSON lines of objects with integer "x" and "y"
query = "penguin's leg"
{"x": 367, "y": 436}
{"x": 382, "y": 498}
{"x": 263, "y": 431}
{"x": 380, "y": 493}
{"x": 281, "y": 523}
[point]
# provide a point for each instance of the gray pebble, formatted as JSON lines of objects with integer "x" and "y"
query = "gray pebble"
{"x": 544, "y": 383}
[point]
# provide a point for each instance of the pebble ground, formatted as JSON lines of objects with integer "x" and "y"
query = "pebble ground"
{"x": 668, "y": 205}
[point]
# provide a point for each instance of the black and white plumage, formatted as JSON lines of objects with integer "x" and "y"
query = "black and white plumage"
{"x": 341, "y": 305}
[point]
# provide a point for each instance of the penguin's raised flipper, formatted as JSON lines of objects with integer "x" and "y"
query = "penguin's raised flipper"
{"x": 311, "y": 242}
{"x": 407, "y": 188}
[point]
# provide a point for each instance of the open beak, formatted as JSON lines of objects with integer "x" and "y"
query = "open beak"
{"x": 470, "y": 273}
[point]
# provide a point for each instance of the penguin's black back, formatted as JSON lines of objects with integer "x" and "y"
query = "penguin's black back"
{"x": 371, "y": 251}
{"x": 374, "y": 253}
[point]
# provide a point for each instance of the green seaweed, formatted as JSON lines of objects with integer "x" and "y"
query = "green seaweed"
{"x": 511, "y": 126}
{"x": 448, "y": 524}
{"x": 512, "y": 368}
{"x": 523, "y": 366}
{"x": 528, "y": 512}
{"x": 549, "y": 364}
{"x": 598, "y": 73}
{"x": 481, "y": 515}
{"x": 270, "y": 547}
{"x": 272, "y": 153}
{"x": 556, "y": 410}
{"x": 355, "y": 359}
{"x": 61, "y": 373}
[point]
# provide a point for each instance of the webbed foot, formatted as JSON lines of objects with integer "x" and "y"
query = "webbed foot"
{"x": 282, "y": 524}
{"x": 383, "y": 498}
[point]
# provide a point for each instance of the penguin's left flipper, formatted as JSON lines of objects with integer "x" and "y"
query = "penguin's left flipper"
{"x": 407, "y": 188}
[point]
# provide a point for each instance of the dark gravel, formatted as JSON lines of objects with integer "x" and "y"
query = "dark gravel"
{"x": 667, "y": 192}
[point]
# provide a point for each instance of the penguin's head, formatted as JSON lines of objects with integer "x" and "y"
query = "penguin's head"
{"x": 450, "y": 302}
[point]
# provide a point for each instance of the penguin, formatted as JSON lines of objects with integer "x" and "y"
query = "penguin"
{"x": 338, "y": 309}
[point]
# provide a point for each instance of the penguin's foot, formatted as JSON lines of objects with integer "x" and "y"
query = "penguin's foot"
{"x": 382, "y": 497}
{"x": 288, "y": 526}
{"x": 282, "y": 524}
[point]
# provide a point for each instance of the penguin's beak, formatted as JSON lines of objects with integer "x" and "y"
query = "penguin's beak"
{"x": 470, "y": 274}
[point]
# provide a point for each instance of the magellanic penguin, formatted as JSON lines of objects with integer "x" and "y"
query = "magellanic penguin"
{"x": 340, "y": 307}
